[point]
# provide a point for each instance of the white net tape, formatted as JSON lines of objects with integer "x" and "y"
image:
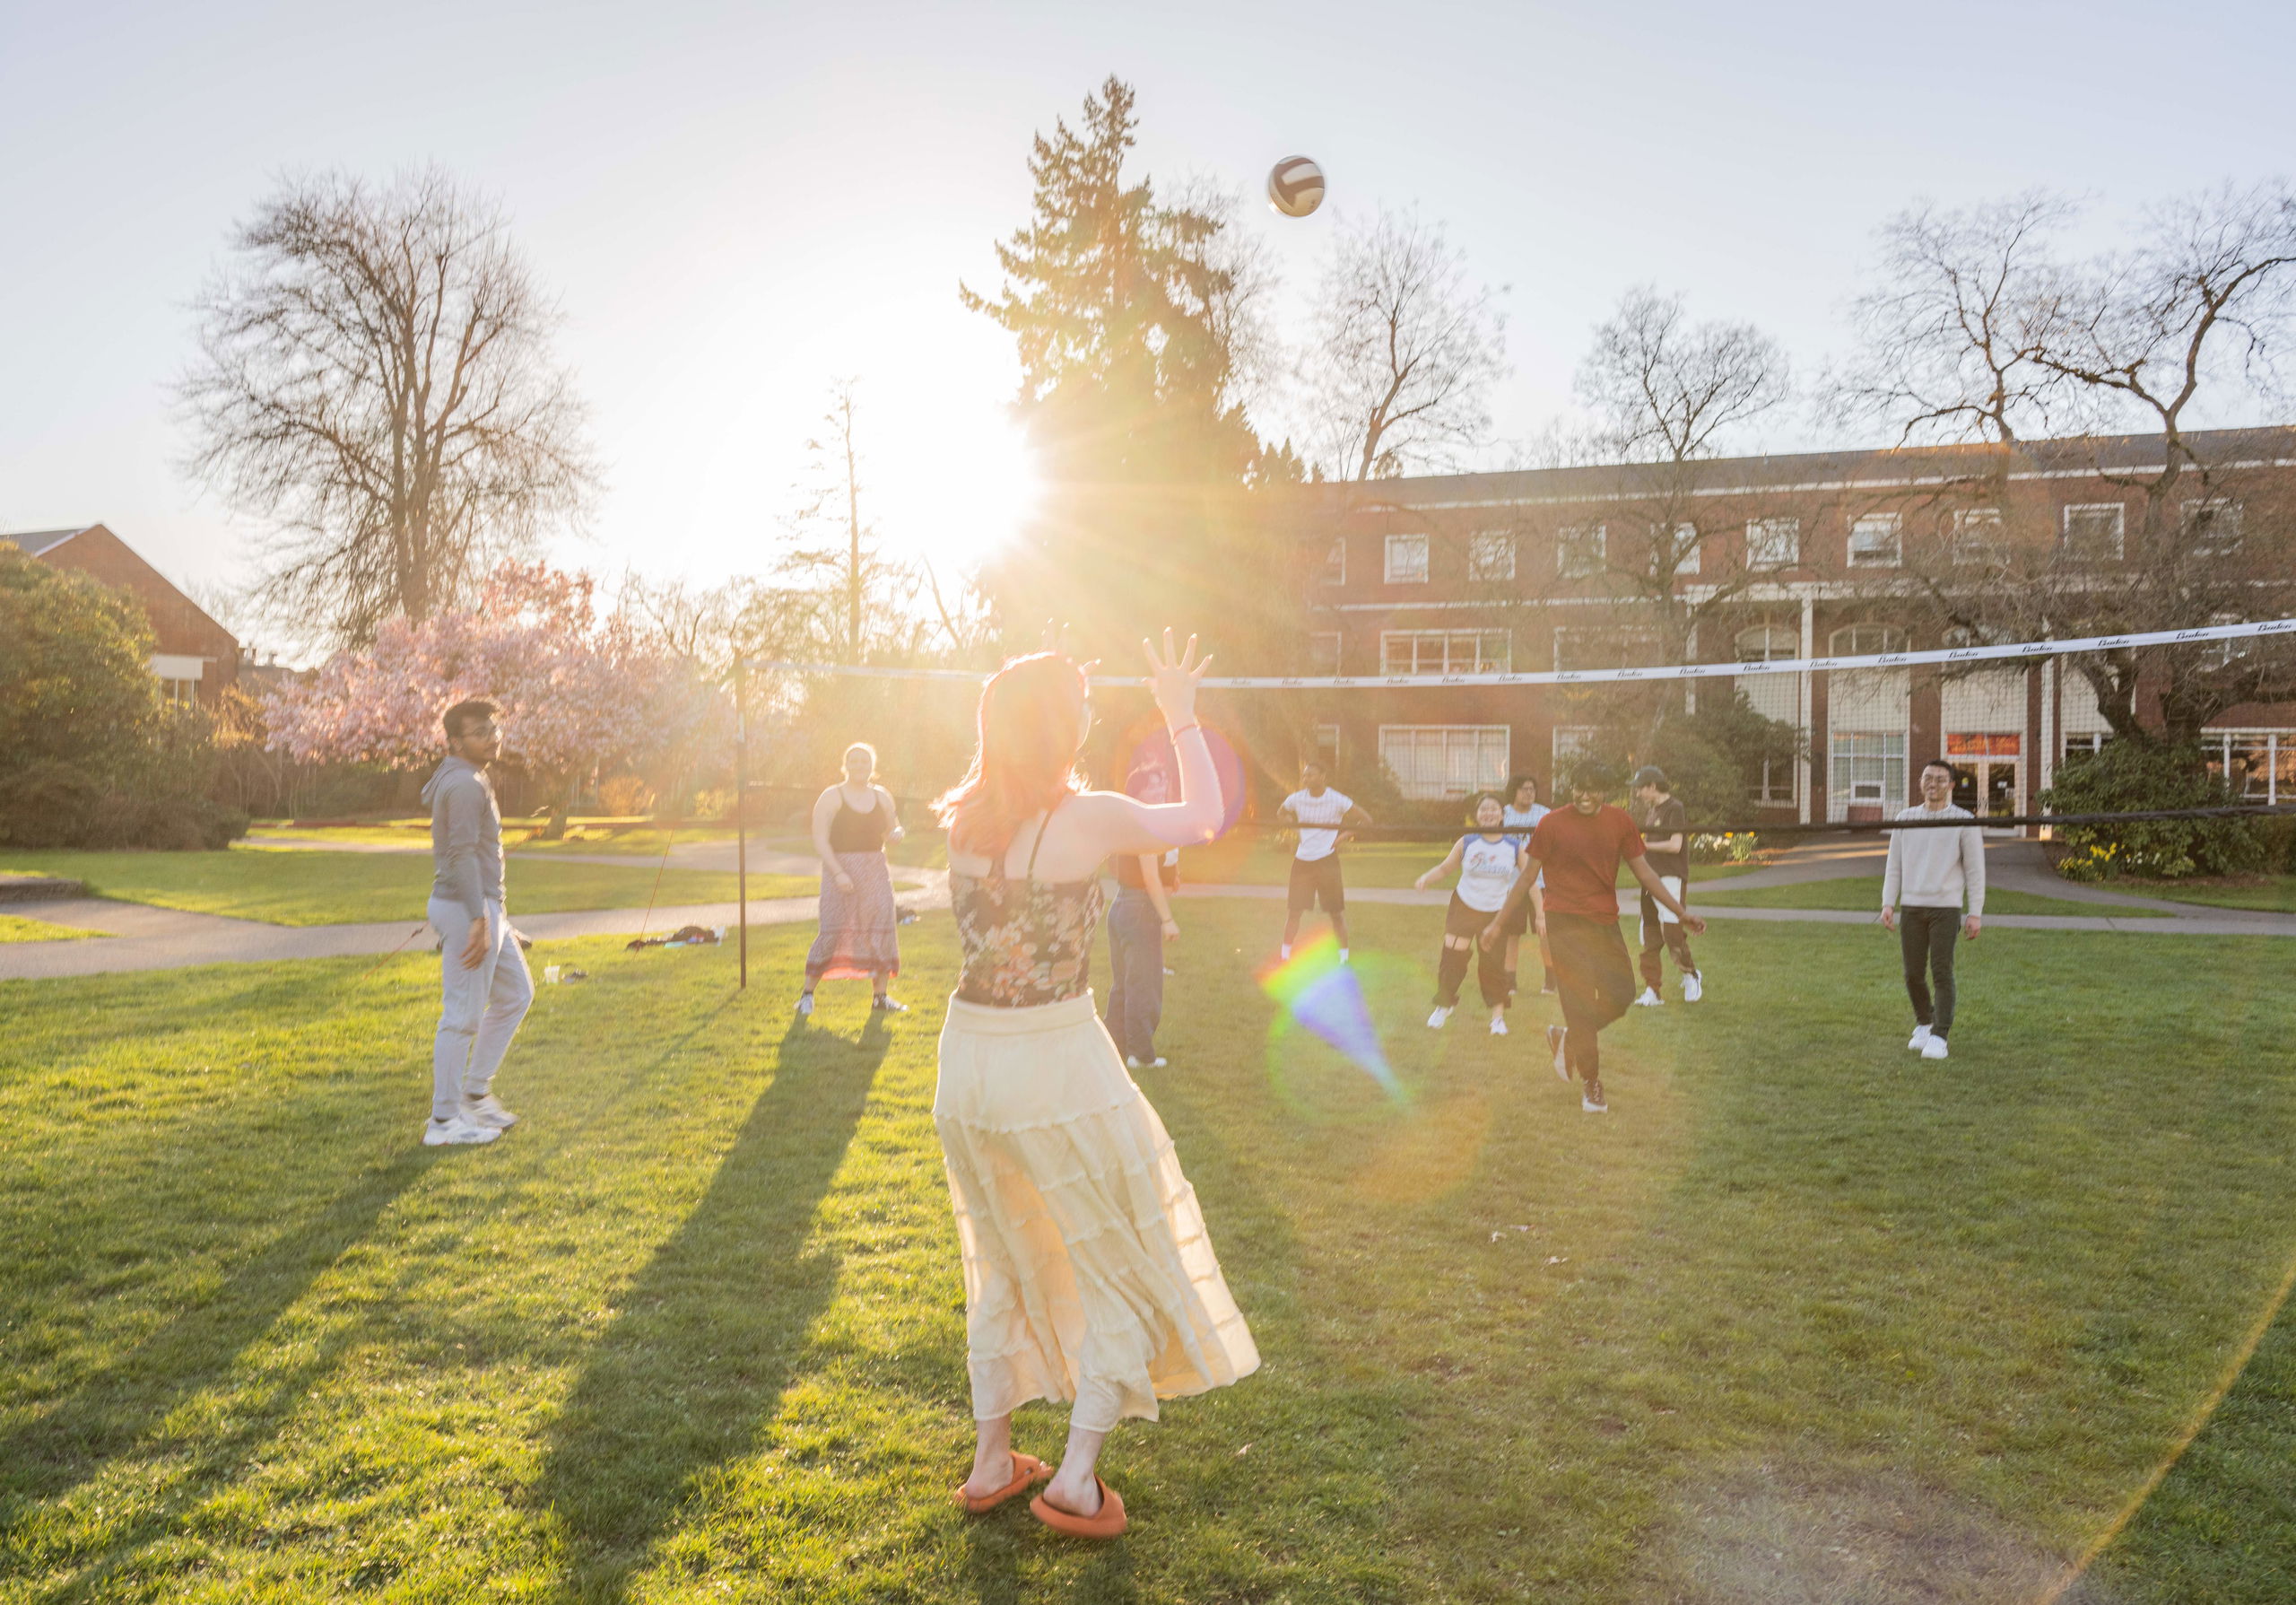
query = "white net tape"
{"x": 2028, "y": 651}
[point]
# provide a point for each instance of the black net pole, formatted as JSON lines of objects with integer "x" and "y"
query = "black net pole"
{"x": 740, "y": 814}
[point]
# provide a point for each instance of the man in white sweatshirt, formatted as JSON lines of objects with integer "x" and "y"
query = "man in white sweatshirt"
{"x": 1931, "y": 872}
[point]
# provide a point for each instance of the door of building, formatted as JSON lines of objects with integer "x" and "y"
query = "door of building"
{"x": 1986, "y": 774}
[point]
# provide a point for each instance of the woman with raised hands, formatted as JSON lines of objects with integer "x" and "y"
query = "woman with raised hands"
{"x": 1088, "y": 1277}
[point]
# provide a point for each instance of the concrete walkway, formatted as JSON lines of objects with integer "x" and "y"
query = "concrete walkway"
{"x": 137, "y": 936}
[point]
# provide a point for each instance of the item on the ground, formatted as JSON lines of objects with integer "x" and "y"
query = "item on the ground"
{"x": 909, "y": 916}
{"x": 555, "y": 974}
{"x": 684, "y": 936}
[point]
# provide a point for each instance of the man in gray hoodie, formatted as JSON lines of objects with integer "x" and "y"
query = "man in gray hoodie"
{"x": 1931, "y": 873}
{"x": 482, "y": 973}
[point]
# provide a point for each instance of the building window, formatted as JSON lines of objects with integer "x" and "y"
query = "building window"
{"x": 1570, "y": 741}
{"x": 2223, "y": 654}
{"x": 1336, "y": 562}
{"x": 1770, "y": 782}
{"x": 179, "y": 694}
{"x": 1976, "y": 538}
{"x": 1773, "y": 543}
{"x": 1323, "y": 652}
{"x": 2215, "y": 526}
{"x": 1431, "y": 762}
{"x": 2093, "y": 532}
{"x": 1445, "y": 651}
{"x": 1599, "y": 646}
{"x": 1685, "y": 548}
{"x": 1864, "y": 640}
{"x": 1327, "y": 747}
{"x": 1866, "y": 772}
{"x": 1579, "y": 551}
{"x": 1876, "y": 542}
{"x": 1406, "y": 560}
{"x": 1769, "y": 643}
{"x": 1490, "y": 555}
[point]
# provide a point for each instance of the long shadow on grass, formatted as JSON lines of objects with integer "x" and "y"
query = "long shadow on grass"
{"x": 110, "y": 1413}
{"x": 711, "y": 1331}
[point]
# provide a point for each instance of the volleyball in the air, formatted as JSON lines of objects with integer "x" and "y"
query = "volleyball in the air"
{"x": 1295, "y": 187}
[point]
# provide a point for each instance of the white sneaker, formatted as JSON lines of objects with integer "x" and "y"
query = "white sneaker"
{"x": 1692, "y": 989}
{"x": 1343, "y": 957}
{"x": 1499, "y": 1024}
{"x": 439, "y": 1133}
{"x": 1284, "y": 951}
{"x": 1157, "y": 1063}
{"x": 1918, "y": 1040}
{"x": 1935, "y": 1048}
{"x": 804, "y": 1004}
{"x": 1442, "y": 1012}
{"x": 1592, "y": 1100}
{"x": 487, "y": 1110}
{"x": 1649, "y": 999}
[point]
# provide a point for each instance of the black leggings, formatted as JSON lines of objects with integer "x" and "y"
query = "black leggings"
{"x": 1596, "y": 979}
{"x": 1462, "y": 923}
{"x": 1926, "y": 939}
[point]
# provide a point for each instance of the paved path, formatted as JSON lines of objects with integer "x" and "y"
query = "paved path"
{"x": 137, "y": 936}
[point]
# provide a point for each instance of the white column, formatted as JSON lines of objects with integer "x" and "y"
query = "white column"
{"x": 1809, "y": 737}
{"x": 2046, "y": 767}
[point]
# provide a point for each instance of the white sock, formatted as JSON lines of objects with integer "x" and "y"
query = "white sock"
{"x": 1287, "y": 950}
{"x": 1343, "y": 956}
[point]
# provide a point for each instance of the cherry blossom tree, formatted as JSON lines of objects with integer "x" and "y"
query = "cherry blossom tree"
{"x": 578, "y": 692}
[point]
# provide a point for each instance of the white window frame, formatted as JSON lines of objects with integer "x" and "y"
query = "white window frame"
{"x": 1456, "y": 651}
{"x": 1843, "y": 642}
{"x": 1323, "y": 652}
{"x": 1575, "y": 544}
{"x": 1568, "y": 742}
{"x": 1326, "y": 745}
{"x": 1773, "y": 543}
{"x": 1884, "y": 534}
{"x": 2118, "y": 534}
{"x": 1401, "y": 573}
{"x": 1468, "y": 758}
{"x": 1976, "y": 538}
{"x": 1843, "y": 757}
{"x": 1768, "y": 634}
{"x": 1687, "y": 548}
{"x": 1336, "y": 562}
{"x": 1490, "y": 555}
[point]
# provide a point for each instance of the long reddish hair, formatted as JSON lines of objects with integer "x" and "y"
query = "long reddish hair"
{"x": 1031, "y": 720}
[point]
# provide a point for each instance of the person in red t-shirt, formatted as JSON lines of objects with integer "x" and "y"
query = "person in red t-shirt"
{"x": 1580, "y": 849}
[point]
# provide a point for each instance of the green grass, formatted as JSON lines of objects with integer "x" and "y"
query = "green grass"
{"x": 520, "y": 835}
{"x": 15, "y": 928}
{"x": 299, "y": 887}
{"x": 2275, "y": 894}
{"x": 1865, "y": 891}
{"x": 1253, "y": 859}
{"x": 1802, "y": 1319}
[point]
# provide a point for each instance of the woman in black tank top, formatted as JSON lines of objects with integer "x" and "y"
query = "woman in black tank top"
{"x": 852, "y": 822}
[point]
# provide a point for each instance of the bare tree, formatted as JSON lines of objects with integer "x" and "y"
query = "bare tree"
{"x": 375, "y": 380}
{"x": 1981, "y": 334}
{"x": 1667, "y": 396}
{"x": 1403, "y": 352}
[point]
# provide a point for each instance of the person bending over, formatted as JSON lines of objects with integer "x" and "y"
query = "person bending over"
{"x": 1578, "y": 850}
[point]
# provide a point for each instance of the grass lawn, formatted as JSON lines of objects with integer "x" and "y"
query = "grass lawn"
{"x": 2275, "y": 894}
{"x": 298, "y": 888}
{"x": 1865, "y": 891}
{"x": 1802, "y": 1319}
{"x": 520, "y": 835}
{"x": 14, "y": 928}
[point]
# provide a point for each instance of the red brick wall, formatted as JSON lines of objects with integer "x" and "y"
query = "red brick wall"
{"x": 179, "y": 626}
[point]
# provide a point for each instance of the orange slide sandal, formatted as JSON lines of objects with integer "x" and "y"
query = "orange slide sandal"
{"x": 1108, "y": 1523}
{"x": 1026, "y": 1468}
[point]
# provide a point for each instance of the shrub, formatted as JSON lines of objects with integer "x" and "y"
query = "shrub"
{"x": 2137, "y": 776}
{"x": 62, "y": 805}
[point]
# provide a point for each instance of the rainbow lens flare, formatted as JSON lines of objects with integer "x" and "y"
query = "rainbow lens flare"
{"x": 1325, "y": 998}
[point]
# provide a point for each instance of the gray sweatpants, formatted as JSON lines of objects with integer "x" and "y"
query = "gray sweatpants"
{"x": 481, "y": 1007}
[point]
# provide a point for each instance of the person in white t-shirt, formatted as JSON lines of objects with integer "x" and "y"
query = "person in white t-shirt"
{"x": 1488, "y": 860}
{"x": 1322, "y": 816}
{"x": 1933, "y": 893}
{"x": 1522, "y": 815}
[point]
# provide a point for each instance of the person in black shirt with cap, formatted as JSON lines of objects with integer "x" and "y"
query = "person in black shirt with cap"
{"x": 1665, "y": 831}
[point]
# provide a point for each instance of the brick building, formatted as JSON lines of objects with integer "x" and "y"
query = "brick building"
{"x": 1773, "y": 557}
{"x": 194, "y": 656}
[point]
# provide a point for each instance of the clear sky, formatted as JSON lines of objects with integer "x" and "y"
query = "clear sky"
{"x": 736, "y": 203}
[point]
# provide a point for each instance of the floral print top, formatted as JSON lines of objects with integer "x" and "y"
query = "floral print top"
{"x": 1026, "y": 942}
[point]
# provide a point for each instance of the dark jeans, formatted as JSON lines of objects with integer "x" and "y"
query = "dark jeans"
{"x": 1597, "y": 981}
{"x": 1925, "y": 938}
{"x": 1676, "y": 941}
{"x": 1136, "y": 978}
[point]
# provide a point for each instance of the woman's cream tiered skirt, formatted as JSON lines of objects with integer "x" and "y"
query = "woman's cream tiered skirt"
{"x": 1088, "y": 1273}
